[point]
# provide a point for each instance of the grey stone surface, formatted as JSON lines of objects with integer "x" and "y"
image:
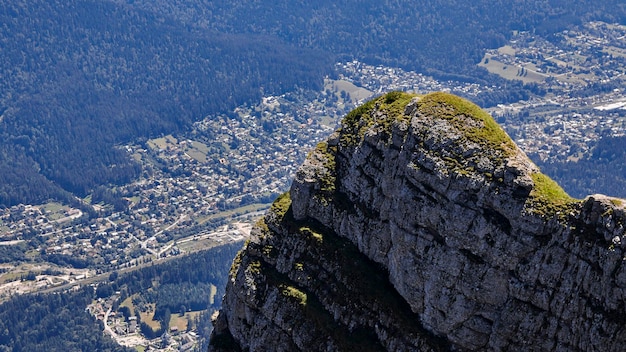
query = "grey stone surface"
{"x": 429, "y": 240}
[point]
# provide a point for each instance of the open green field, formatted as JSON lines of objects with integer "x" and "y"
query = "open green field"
{"x": 197, "y": 150}
{"x": 162, "y": 143}
{"x": 32, "y": 254}
{"x": 507, "y": 50}
{"x": 356, "y": 93}
{"x": 128, "y": 302}
{"x": 11, "y": 276}
{"x": 198, "y": 245}
{"x": 182, "y": 322}
{"x": 133, "y": 200}
{"x": 329, "y": 121}
{"x": 137, "y": 157}
{"x": 148, "y": 318}
{"x": 611, "y": 50}
{"x": 54, "y": 211}
{"x": 175, "y": 320}
{"x": 194, "y": 149}
{"x": 511, "y": 72}
{"x": 235, "y": 212}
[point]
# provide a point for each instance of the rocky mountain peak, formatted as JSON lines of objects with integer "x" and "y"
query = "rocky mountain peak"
{"x": 419, "y": 225}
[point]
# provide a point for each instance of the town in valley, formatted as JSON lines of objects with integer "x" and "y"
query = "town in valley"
{"x": 211, "y": 185}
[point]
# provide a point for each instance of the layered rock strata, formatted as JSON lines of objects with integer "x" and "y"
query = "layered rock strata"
{"x": 420, "y": 226}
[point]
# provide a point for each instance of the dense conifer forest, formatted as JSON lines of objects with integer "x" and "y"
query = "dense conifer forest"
{"x": 54, "y": 322}
{"x": 81, "y": 78}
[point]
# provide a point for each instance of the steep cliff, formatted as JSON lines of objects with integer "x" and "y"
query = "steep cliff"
{"x": 420, "y": 226}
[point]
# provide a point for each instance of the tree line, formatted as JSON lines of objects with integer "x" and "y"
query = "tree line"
{"x": 82, "y": 78}
{"x": 53, "y": 322}
{"x": 176, "y": 285}
{"x": 60, "y": 322}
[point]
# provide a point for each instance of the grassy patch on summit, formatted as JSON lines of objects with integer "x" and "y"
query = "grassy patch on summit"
{"x": 360, "y": 119}
{"x": 447, "y": 106}
{"x": 452, "y": 108}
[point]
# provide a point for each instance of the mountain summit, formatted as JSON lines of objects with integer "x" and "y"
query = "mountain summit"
{"x": 420, "y": 226}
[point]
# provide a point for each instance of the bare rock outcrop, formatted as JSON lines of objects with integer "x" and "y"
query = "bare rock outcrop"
{"x": 420, "y": 226}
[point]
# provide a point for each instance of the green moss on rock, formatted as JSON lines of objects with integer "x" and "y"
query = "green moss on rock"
{"x": 281, "y": 205}
{"x": 327, "y": 154}
{"x": 263, "y": 228}
{"x": 353, "y": 123}
{"x": 548, "y": 198}
{"x": 486, "y": 132}
{"x": 236, "y": 263}
{"x": 317, "y": 236}
{"x": 359, "y": 120}
{"x": 295, "y": 293}
{"x": 380, "y": 115}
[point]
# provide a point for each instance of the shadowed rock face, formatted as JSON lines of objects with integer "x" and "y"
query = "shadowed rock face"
{"x": 420, "y": 226}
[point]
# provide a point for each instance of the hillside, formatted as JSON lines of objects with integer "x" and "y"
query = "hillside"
{"x": 420, "y": 226}
{"x": 433, "y": 36}
{"x": 80, "y": 79}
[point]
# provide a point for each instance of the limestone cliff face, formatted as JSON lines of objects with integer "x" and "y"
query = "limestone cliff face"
{"x": 420, "y": 226}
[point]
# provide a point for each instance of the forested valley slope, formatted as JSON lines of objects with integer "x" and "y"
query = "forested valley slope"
{"x": 80, "y": 79}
